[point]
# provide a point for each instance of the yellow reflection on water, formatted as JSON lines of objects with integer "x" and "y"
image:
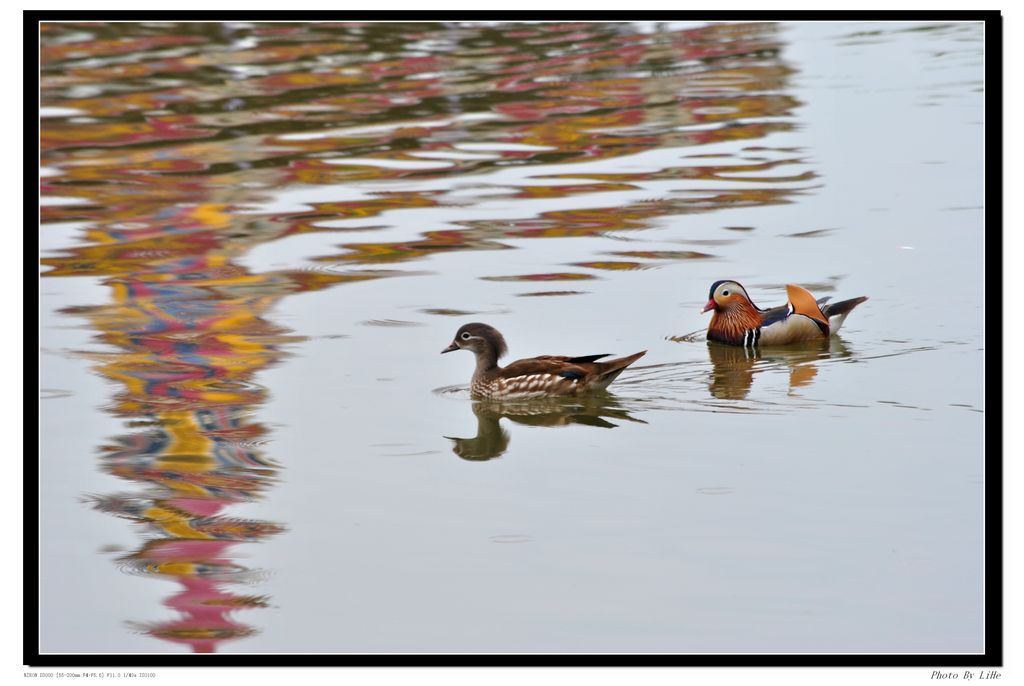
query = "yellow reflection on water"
{"x": 176, "y": 139}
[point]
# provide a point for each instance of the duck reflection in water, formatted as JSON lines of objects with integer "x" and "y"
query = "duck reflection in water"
{"x": 492, "y": 439}
{"x": 733, "y": 368}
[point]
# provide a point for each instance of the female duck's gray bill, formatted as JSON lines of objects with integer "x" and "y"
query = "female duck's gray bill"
{"x": 450, "y": 348}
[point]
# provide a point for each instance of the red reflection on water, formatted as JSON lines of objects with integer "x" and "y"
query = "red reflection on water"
{"x": 183, "y": 128}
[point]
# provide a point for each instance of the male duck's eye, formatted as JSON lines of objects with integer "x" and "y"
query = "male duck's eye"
{"x": 725, "y": 293}
{"x": 465, "y": 335}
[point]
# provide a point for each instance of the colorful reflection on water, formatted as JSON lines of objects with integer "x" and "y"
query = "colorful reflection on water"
{"x": 180, "y": 149}
{"x": 177, "y": 130}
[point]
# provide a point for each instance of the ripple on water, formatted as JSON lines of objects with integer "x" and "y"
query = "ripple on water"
{"x": 455, "y": 392}
{"x": 814, "y": 233}
{"x": 54, "y": 393}
{"x": 828, "y": 286}
{"x": 664, "y": 254}
{"x": 554, "y": 276}
{"x": 698, "y": 336}
{"x": 445, "y": 312}
{"x": 511, "y": 538}
{"x": 390, "y": 323}
{"x": 453, "y": 312}
{"x": 389, "y": 163}
{"x": 716, "y": 490}
{"x": 614, "y": 265}
{"x": 535, "y": 294}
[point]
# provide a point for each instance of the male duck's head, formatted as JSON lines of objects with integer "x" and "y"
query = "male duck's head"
{"x": 725, "y": 295}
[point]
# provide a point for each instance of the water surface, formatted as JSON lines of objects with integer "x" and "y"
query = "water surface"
{"x": 256, "y": 238}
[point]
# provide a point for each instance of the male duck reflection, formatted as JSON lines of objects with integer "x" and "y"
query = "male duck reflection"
{"x": 535, "y": 377}
{"x": 738, "y": 321}
{"x": 733, "y": 368}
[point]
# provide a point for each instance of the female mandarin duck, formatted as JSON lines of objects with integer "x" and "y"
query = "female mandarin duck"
{"x": 534, "y": 377}
{"x": 738, "y": 321}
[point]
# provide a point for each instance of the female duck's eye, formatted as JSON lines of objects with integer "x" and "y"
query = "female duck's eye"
{"x": 465, "y": 335}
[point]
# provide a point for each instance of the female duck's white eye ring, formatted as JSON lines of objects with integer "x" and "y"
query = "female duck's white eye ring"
{"x": 465, "y": 335}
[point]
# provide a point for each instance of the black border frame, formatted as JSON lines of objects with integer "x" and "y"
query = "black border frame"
{"x": 993, "y": 535}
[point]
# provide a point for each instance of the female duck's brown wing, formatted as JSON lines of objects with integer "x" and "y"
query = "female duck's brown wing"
{"x": 554, "y": 365}
{"x": 558, "y": 375}
{"x": 543, "y": 376}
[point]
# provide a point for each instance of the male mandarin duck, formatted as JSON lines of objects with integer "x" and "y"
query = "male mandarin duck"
{"x": 738, "y": 321}
{"x": 535, "y": 377}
